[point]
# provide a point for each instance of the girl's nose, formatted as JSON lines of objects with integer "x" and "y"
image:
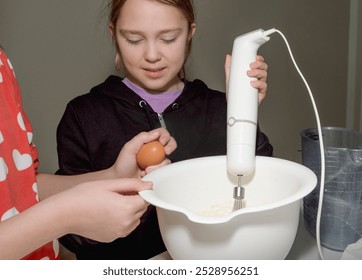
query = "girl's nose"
{"x": 152, "y": 53}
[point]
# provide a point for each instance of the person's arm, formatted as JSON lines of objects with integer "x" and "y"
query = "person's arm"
{"x": 124, "y": 167}
{"x": 50, "y": 184}
{"x": 101, "y": 210}
{"x": 96, "y": 210}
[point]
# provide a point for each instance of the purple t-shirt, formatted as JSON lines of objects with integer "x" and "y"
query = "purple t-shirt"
{"x": 158, "y": 101}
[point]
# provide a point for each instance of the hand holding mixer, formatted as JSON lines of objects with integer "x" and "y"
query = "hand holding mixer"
{"x": 242, "y": 109}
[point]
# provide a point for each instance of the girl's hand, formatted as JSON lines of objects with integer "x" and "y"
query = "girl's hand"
{"x": 103, "y": 210}
{"x": 126, "y": 165}
{"x": 258, "y": 70}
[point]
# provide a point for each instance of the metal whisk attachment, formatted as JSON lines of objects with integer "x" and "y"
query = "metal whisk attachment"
{"x": 239, "y": 192}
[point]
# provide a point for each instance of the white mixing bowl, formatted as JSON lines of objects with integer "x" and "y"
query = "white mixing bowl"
{"x": 266, "y": 226}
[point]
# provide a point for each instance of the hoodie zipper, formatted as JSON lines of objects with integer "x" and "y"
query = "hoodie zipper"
{"x": 143, "y": 104}
{"x": 162, "y": 121}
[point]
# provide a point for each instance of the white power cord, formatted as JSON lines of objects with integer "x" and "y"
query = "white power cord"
{"x": 321, "y": 143}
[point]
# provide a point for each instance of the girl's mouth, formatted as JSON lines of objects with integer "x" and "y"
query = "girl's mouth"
{"x": 154, "y": 73}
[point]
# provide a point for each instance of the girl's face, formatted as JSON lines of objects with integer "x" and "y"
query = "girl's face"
{"x": 152, "y": 43}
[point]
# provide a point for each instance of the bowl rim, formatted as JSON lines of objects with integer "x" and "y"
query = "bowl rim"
{"x": 309, "y": 178}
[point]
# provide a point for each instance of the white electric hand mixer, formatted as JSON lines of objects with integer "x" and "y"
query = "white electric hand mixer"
{"x": 242, "y": 115}
{"x": 242, "y": 109}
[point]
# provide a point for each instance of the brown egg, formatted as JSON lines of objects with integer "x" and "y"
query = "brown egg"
{"x": 151, "y": 153}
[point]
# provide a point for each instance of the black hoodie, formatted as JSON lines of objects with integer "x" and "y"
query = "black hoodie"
{"x": 95, "y": 126}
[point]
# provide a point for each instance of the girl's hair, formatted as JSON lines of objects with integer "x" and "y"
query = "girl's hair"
{"x": 184, "y": 6}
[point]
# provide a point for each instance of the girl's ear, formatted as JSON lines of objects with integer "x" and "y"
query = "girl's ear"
{"x": 117, "y": 61}
{"x": 111, "y": 29}
{"x": 192, "y": 30}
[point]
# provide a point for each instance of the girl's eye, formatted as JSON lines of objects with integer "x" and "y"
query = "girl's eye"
{"x": 169, "y": 41}
{"x": 133, "y": 41}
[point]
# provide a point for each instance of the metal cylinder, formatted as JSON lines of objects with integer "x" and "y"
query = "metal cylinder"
{"x": 239, "y": 192}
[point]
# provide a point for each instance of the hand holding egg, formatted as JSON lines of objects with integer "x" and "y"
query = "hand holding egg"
{"x": 144, "y": 153}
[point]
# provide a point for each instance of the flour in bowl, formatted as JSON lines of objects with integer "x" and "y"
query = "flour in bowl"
{"x": 219, "y": 209}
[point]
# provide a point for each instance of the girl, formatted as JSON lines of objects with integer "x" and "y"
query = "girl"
{"x": 153, "y": 40}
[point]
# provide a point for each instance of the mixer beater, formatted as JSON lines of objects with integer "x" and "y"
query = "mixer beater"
{"x": 239, "y": 193}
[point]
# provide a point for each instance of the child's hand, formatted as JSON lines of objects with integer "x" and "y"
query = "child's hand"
{"x": 126, "y": 165}
{"x": 104, "y": 210}
{"x": 258, "y": 70}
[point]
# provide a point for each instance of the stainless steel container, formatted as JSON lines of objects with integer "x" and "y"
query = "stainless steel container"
{"x": 341, "y": 219}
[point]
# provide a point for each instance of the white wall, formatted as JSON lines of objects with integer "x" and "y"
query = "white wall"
{"x": 60, "y": 49}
